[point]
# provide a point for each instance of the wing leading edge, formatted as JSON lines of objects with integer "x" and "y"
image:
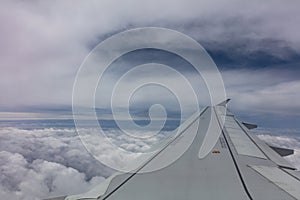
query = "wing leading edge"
{"x": 223, "y": 161}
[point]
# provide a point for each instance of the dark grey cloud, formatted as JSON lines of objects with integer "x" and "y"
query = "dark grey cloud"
{"x": 43, "y": 43}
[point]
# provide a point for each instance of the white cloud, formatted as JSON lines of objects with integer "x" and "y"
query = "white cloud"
{"x": 39, "y": 179}
{"x": 286, "y": 142}
{"x": 40, "y": 163}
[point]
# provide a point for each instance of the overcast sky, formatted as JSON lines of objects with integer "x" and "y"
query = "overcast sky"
{"x": 255, "y": 44}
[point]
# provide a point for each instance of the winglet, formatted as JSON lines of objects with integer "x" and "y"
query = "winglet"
{"x": 223, "y": 103}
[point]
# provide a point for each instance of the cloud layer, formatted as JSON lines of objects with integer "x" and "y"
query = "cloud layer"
{"x": 39, "y": 179}
{"x": 40, "y": 163}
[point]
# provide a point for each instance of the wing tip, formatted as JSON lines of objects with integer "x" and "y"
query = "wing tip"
{"x": 224, "y": 103}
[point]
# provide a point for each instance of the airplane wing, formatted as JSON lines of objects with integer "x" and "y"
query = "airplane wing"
{"x": 222, "y": 162}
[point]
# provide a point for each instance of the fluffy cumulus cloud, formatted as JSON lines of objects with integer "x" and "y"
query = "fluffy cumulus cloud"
{"x": 34, "y": 165}
{"x": 40, "y": 163}
{"x": 40, "y": 178}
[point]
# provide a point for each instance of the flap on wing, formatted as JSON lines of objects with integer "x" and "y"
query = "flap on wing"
{"x": 249, "y": 144}
{"x": 282, "y": 151}
{"x": 240, "y": 139}
{"x": 293, "y": 173}
{"x": 57, "y": 198}
{"x": 249, "y": 126}
{"x": 277, "y": 176}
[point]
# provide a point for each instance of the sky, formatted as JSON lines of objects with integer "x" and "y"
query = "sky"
{"x": 255, "y": 45}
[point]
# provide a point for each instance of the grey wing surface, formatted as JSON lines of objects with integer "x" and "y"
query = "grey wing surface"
{"x": 223, "y": 161}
